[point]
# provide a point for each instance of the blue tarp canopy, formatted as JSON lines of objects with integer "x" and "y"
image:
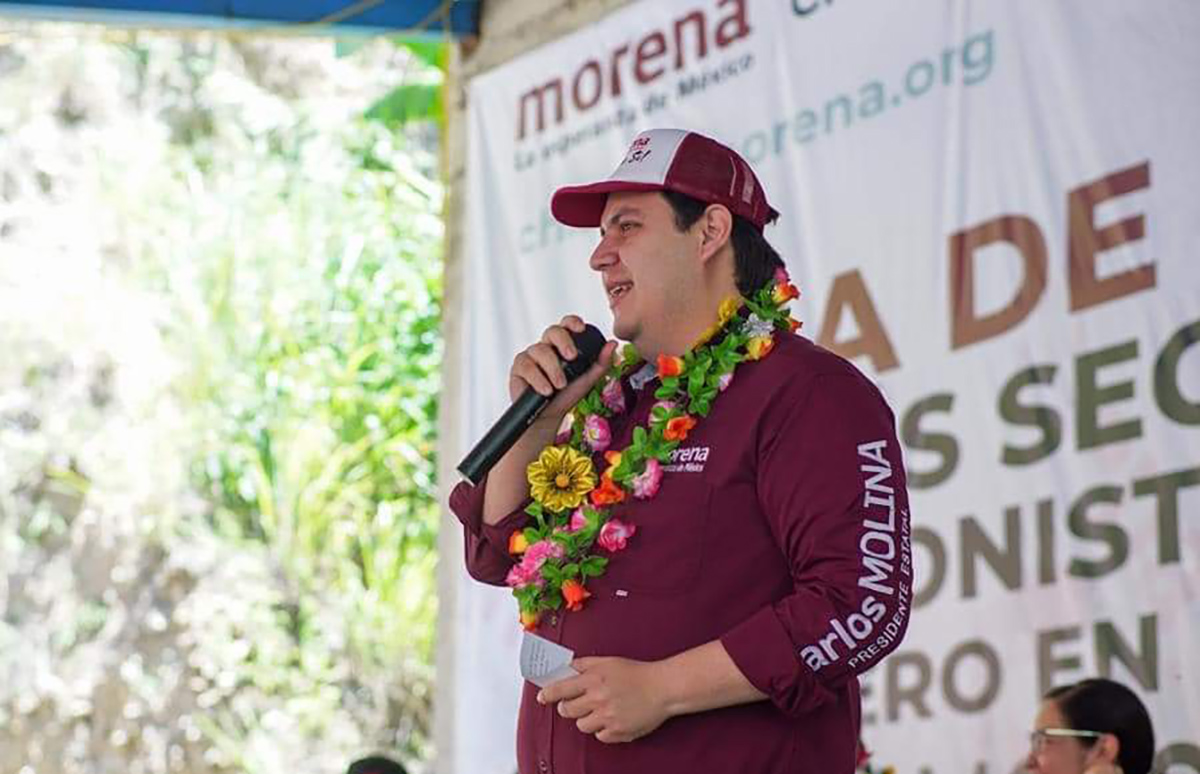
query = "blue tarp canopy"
{"x": 461, "y": 17}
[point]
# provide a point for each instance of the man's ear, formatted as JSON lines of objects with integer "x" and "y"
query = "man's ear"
{"x": 1108, "y": 748}
{"x": 716, "y": 229}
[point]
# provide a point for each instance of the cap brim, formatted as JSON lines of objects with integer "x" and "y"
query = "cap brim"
{"x": 582, "y": 205}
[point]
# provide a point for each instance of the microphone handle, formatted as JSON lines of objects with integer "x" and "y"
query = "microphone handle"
{"x": 508, "y": 428}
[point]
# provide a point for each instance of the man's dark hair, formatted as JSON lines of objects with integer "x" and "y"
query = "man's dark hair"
{"x": 1108, "y": 707}
{"x": 755, "y": 261}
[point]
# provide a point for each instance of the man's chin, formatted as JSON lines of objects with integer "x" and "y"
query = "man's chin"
{"x": 624, "y": 330}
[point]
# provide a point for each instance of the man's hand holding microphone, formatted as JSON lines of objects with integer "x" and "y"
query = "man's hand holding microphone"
{"x": 545, "y": 381}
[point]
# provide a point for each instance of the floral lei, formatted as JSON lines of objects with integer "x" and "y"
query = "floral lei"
{"x": 571, "y": 508}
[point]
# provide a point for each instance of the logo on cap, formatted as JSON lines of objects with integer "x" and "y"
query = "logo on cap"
{"x": 639, "y": 150}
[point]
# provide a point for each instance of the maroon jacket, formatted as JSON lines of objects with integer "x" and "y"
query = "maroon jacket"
{"x": 782, "y": 529}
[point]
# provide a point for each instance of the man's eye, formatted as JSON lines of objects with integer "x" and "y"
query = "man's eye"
{"x": 626, "y": 227}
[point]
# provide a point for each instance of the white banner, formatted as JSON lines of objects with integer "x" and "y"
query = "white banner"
{"x": 991, "y": 208}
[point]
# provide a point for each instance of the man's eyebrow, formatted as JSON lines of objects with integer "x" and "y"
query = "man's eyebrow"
{"x": 616, "y": 216}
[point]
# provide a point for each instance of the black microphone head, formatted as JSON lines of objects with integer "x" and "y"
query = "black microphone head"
{"x": 500, "y": 438}
{"x": 589, "y": 342}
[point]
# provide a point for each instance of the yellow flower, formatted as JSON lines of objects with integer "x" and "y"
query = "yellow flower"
{"x": 725, "y": 313}
{"x": 728, "y": 309}
{"x": 759, "y": 347}
{"x": 529, "y": 619}
{"x": 560, "y": 478}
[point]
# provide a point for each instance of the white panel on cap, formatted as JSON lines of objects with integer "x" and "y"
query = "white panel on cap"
{"x": 649, "y": 156}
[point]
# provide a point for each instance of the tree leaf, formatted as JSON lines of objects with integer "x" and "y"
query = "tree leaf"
{"x": 430, "y": 50}
{"x": 408, "y": 102}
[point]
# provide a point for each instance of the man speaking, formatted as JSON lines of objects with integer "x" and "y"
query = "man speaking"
{"x": 715, "y": 519}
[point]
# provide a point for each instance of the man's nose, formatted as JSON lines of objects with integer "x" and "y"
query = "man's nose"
{"x": 604, "y": 255}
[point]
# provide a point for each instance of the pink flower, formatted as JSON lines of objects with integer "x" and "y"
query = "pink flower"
{"x": 613, "y": 396}
{"x": 724, "y": 380}
{"x": 665, "y": 405}
{"x": 596, "y": 433}
{"x": 522, "y": 575}
{"x": 614, "y": 534}
{"x": 537, "y": 554}
{"x": 529, "y": 571}
{"x": 564, "y": 429}
{"x": 646, "y": 483}
{"x": 578, "y": 521}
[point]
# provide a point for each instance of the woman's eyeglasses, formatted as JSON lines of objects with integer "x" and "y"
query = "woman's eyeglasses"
{"x": 1039, "y": 739}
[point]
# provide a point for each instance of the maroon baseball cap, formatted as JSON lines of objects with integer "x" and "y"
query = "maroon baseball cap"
{"x": 671, "y": 160}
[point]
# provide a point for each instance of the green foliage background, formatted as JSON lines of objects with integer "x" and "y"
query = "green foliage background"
{"x": 223, "y": 257}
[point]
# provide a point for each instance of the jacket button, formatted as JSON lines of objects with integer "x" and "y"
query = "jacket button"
{"x": 543, "y": 766}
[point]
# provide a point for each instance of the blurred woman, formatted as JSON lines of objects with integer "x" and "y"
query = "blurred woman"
{"x": 1092, "y": 727}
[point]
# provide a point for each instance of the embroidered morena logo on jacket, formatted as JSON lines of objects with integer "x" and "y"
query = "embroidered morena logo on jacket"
{"x": 687, "y": 460}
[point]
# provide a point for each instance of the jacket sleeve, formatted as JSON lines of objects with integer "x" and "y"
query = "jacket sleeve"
{"x": 831, "y": 481}
{"x": 486, "y": 545}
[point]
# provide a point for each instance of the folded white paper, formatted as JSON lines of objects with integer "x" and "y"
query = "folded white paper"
{"x": 544, "y": 662}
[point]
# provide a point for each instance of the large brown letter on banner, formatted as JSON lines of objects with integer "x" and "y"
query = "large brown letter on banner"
{"x": 965, "y": 326}
{"x": 1086, "y": 240}
{"x": 848, "y": 291}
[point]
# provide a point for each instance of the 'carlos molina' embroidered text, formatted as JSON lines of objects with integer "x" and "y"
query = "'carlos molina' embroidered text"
{"x": 863, "y": 636}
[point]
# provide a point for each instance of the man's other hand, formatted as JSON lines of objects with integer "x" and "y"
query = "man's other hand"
{"x": 617, "y": 699}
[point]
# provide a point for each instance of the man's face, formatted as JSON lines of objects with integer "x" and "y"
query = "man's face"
{"x": 649, "y": 269}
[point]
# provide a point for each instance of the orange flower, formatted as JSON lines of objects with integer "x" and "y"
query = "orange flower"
{"x": 784, "y": 292}
{"x": 529, "y": 619}
{"x": 574, "y": 594}
{"x": 794, "y": 324}
{"x": 669, "y": 365}
{"x": 608, "y": 493}
{"x": 613, "y": 458}
{"x": 517, "y": 543}
{"x": 759, "y": 347}
{"x": 677, "y": 429}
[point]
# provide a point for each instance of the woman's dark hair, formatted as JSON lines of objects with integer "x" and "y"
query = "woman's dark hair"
{"x": 1108, "y": 707}
{"x": 755, "y": 261}
{"x": 376, "y": 764}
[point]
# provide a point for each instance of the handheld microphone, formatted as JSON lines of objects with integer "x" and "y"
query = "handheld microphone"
{"x": 520, "y": 415}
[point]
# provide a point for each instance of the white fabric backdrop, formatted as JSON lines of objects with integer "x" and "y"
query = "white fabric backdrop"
{"x": 927, "y": 119}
